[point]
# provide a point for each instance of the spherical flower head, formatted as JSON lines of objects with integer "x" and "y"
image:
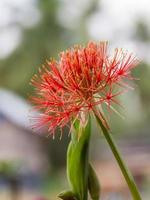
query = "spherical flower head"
{"x": 83, "y": 80}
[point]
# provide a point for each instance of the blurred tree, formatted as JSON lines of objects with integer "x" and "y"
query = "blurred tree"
{"x": 144, "y": 86}
{"x": 142, "y": 35}
{"x": 39, "y": 43}
{"x": 82, "y": 25}
{"x": 141, "y": 32}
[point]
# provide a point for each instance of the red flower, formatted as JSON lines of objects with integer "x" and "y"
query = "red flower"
{"x": 84, "y": 79}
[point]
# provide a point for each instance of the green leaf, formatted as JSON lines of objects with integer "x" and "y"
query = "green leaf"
{"x": 93, "y": 184}
{"x": 67, "y": 195}
{"x": 77, "y": 160}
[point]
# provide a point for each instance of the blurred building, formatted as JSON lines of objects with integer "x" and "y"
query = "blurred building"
{"x": 18, "y": 143}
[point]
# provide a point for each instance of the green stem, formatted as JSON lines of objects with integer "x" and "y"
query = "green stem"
{"x": 127, "y": 175}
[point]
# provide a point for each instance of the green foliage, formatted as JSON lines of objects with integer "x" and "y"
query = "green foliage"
{"x": 8, "y": 168}
{"x": 143, "y": 73}
{"x": 142, "y": 32}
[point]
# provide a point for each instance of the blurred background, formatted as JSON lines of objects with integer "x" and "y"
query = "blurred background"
{"x": 33, "y": 167}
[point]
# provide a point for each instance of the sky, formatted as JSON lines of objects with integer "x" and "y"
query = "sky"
{"x": 118, "y": 17}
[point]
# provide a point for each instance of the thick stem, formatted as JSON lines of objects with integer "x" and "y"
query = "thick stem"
{"x": 127, "y": 175}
